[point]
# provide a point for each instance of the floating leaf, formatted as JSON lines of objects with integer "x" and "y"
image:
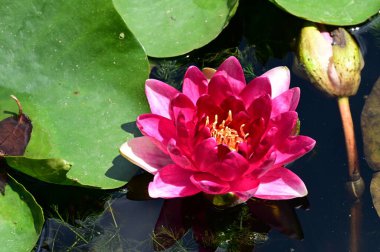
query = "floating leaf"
{"x": 80, "y": 75}
{"x": 15, "y": 133}
{"x": 334, "y": 12}
{"x": 370, "y": 123}
{"x": 21, "y": 218}
{"x": 173, "y": 27}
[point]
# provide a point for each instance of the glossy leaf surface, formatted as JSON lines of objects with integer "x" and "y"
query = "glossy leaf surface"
{"x": 334, "y": 12}
{"x": 80, "y": 75}
{"x": 173, "y": 27}
{"x": 21, "y": 218}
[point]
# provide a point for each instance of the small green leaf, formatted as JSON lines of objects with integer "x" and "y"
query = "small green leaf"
{"x": 79, "y": 74}
{"x": 21, "y": 218}
{"x": 334, "y": 12}
{"x": 173, "y": 27}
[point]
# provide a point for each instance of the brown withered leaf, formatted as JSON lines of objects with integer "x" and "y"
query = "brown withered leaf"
{"x": 15, "y": 132}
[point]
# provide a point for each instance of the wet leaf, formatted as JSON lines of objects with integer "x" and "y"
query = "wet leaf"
{"x": 173, "y": 27}
{"x": 334, "y": 12}
{"x": 21, "y": 218}
{"x": 15, "y": 133}
{"x": 80, "y": 75}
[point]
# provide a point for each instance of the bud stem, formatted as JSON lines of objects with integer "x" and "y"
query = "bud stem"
{"x": 352, "y": 153}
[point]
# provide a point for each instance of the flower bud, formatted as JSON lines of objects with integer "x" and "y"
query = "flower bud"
{"x": 332, "y": 61}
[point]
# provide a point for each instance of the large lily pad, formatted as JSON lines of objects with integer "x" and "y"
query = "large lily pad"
{"x": 79, "y": 74}
{"x": 174, "y": 27}
{"x": 334, "y": 12}
{"x": 21, "y": 218}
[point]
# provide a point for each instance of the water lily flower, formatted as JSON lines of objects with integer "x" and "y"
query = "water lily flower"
{"x": 221, "y": 135}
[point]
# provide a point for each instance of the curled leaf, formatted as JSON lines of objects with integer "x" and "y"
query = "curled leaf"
{"x": 15, "y": 132}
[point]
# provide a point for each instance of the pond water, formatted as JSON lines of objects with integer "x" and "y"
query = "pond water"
{"x": 333, "y": 220}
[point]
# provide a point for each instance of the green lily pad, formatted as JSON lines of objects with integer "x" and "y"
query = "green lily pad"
{"x": 79, "y": 74}
{"x": 173, "y": 27}
{"x": 21, "y": 218}
{"x": 334, "y": 12}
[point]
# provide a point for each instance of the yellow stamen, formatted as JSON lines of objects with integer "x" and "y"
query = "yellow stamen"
{"x": 224, "y": 134}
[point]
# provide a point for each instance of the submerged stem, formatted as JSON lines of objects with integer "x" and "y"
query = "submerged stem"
{"x": 357, "y": 185}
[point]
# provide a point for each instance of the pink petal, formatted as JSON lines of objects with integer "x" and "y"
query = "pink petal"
{"x": 244, "y": 184}
{"x": 220, "y": 88}
{"x": 182, "y": 104}
{"x": 227, "y": 81}
{"x": 143, "y": 153}
{"x": 287, "y": 101}
{"x": 292, "y": 148}
{"x": 279, "y": 184}
{"x": 219, "y": 160}
{"x": 159, "y": 95}
{"x": 284, "y": 123}
{"x": 185, "y": 134}
{"x": 194, "y": 84}
{"x": 172, "y": 181}
{"x": 257, "y": 87}
{"x": 206, "y": 106}
{"x": 232, "y": 103}
{"x": 205, "y": 154}
{"x": 229, "y": 167}
{"x": 178, "y": 156}
{"x": 260, "y": 108}
{"x": 259, "y": 167}
{"x": 279, "y": 78}
{"x": 157, "y": 127}
{"x": 232, "y": 69}
{"x": 209, "y": 184}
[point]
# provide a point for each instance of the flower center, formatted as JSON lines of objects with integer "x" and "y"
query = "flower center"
{"x": 224, "y": 134}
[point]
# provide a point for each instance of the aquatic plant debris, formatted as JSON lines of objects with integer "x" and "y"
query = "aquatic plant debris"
{"x": 15, "y": 132}
{"x": 221, "y": 136}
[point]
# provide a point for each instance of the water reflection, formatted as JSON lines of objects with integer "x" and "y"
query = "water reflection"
{"x": 185, "y": 224}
